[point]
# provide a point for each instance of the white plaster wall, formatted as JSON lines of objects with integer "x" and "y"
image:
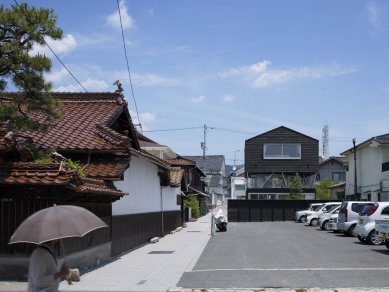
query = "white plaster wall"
{"x": 369, "y": 168}
{"x": 238, "y": 181}
{"x": 141, "y": 181}
{"x": 169, "y": 195}
{"x": 369, "y": 171}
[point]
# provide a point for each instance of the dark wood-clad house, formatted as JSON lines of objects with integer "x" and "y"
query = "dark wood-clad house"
{"x": 273, "y": 158}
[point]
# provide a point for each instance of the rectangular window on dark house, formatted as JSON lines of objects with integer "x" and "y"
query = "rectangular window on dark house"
{"x": 339, "y": 176}
{"x": 281, "y": 151}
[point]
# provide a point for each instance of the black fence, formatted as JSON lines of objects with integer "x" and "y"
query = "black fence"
{"x": 265, "y": 210}
{"x": 131, "y": 231}
{"x": 12, "y": 213}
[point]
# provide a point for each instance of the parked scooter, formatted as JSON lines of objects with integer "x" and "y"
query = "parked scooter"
{"x": 220, "y": 221}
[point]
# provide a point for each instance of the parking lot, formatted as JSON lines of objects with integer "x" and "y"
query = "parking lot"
{"x": 287, "y": 255}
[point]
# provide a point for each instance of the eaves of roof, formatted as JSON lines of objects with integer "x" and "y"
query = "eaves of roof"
{"x": 153, "y": 159}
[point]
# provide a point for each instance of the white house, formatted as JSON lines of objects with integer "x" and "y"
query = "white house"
{"x": 371, "y": 167}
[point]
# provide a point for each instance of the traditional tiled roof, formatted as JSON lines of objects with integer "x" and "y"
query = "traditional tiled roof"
{"x": 98, "y": 187}
{"x": 107, "y": 169}
{"x": 176, "y": 174}
{"x": 181, "y": 161}
{"x": 54, "y": 174}
{"x": 213, "y": 163}
{"x": 28, "y": 173}
{"x": 85, "y": 123}
{"x": 215, "y": 180}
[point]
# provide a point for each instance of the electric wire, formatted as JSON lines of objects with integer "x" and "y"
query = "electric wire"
{"x": 33, "y": 26}
{"x": 128, "y": 66}
{"x": 177, "y": 129}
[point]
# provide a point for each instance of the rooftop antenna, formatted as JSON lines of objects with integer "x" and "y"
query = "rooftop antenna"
{"x": 326, "y": 148}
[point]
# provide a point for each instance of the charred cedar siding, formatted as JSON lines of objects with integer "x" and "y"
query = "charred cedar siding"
{"x": 254, "y": 162}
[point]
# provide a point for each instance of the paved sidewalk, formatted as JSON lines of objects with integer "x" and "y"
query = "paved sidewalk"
{"x": 141, "y": 271}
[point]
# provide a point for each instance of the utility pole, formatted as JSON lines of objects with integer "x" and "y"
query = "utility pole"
{"x": 234, "y": 167}
{"x": 355, "y": 172}
{"x": 204, "y": 146}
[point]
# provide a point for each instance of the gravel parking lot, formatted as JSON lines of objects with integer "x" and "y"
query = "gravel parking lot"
{"x": 287, "y": 255}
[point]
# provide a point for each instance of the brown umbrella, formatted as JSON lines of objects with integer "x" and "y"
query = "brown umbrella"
{"x": 55, "y": 223}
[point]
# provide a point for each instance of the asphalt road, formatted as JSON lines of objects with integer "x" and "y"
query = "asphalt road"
{"x": 287, "y": 255}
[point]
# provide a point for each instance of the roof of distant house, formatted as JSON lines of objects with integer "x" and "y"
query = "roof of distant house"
{"x": 340, "y": 159}
{"x": 382, "y": 139}
{"x": 213, "y": 163}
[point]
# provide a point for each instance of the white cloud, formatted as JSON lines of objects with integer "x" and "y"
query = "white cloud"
{"x": 228, "y": 98}
{"x": 198, "y": 99}
{"x": 374, "y": 15}
{"x": 146, "y": 118}
{"x": 145, "y": 80}
{"x": 259, "y": 75}
{"x": 65, "y": 45}
{"x": 114, "y": 18}
{"x": 57, "y": 76}
{"x": 93, "y": 85}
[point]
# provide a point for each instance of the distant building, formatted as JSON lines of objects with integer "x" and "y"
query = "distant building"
{"x": 215, "y": 169}
{"x": 372, "y": 168}
{"x": 332, "y": 168}
{"x": 273, "y": 158}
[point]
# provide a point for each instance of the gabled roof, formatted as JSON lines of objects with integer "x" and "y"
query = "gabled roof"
{"x": 184, "y": 161}
{"x": 382, "y": 139}
{"x": 213, "y": 163}
{"x": 339, "y": 159}
{"x": 282, "y": 128}
{"x": 90, "y": 121}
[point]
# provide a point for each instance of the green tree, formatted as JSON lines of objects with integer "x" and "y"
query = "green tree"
{"x": 193, "y": 203}
{"x": 295, "y": 190}
{"x": 322, "y": 191}
{"x": 21, "y": 27}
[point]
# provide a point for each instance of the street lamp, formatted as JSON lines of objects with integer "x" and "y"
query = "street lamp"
{"x": 355, "y": 172}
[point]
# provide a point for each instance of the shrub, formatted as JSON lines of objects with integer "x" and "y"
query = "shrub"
{"x": 193, "y": 202}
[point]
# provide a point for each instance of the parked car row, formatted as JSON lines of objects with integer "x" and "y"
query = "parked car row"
{"x": 353, "y": 218}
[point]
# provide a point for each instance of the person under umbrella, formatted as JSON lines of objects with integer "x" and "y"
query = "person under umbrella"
{"x": 44, "y": 271}
{"x": 45, "y": 228}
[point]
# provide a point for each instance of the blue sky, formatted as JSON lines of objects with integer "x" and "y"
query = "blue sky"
{"x": 240, "y": 67}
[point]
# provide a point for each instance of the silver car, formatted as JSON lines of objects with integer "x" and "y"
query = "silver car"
{"x": 324, "y": 219}
{"x": 348, "y": 216}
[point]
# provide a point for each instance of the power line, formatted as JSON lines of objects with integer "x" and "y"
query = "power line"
{"x": 128, "y": 66}
{"x": 232, "y": 131}
{"x": 177, "y": 129}
{"x": 30, "y": 22}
